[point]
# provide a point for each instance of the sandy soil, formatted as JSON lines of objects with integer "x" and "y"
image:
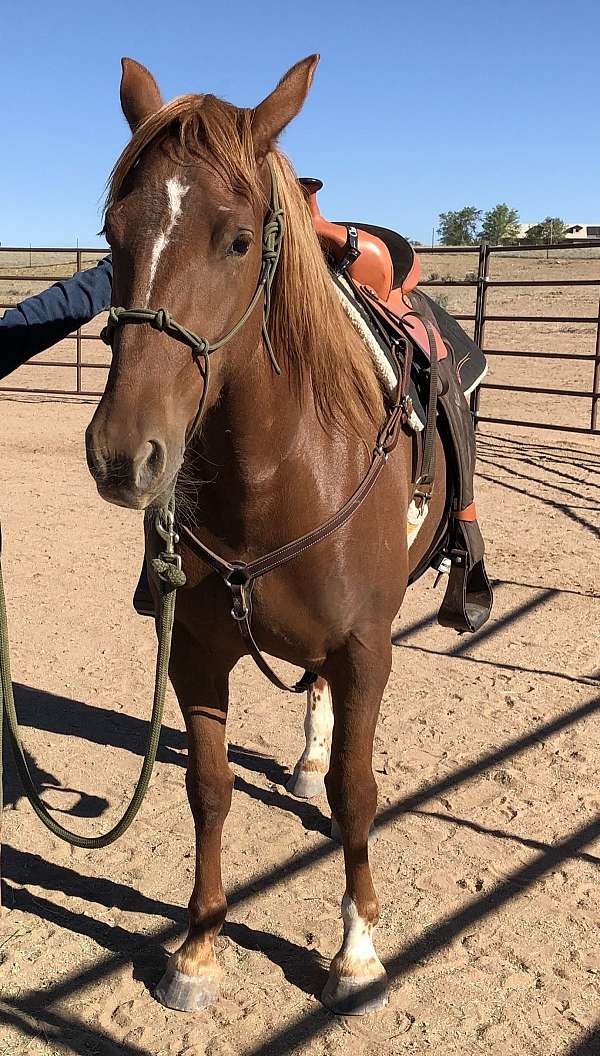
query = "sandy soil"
{"x": 487, "y": 757}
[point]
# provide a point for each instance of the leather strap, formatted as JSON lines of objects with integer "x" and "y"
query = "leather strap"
{"x": 427, "y": 476}
{"x": 240, "y": 576}
{"x": 468, "y": 514}
{"x": 241, "y": 597}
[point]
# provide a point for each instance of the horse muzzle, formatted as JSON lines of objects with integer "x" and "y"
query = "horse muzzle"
{"x": 132, "y": 479}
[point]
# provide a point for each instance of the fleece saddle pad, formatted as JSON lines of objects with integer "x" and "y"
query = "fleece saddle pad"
{"x": 470, "y": 361}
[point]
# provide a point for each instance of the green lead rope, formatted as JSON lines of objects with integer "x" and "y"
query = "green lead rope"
{"x": 168, "y": 568}
{"x": 168, "y": 564}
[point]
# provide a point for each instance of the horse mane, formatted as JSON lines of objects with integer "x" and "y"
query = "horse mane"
{"x": 310, "y": 332}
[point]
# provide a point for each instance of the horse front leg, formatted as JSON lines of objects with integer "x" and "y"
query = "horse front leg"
{"x": 193, "y": 975}
{"x": 357, "y": 981}
{"x": 308, "y": 778}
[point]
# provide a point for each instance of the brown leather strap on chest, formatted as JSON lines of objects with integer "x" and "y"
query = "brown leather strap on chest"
{"x": 240, "y": 576}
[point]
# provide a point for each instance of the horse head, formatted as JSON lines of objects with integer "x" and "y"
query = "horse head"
{"x": 185, "y": 214}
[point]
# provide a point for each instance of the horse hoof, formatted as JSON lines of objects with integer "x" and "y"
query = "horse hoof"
{"x": 187, "y": 993}
{"x": 306, "y": 784}
{"x": 352, "y": 996}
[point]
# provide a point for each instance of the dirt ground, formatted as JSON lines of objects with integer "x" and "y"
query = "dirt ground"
{"x": 487, "y": 851}
{"x": 487, "y": 757}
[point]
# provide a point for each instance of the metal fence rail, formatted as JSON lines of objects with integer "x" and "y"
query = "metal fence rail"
{"x": 482, "y": 283}
{"x": 75, "y": 262}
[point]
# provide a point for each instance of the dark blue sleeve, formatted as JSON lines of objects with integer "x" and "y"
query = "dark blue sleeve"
{"x": 40, "y": 321}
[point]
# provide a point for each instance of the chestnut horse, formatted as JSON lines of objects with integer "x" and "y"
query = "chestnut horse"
{"x": 282, "y": 452}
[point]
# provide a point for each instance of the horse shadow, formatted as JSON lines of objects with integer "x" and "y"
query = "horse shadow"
{"x": 65, "y": 717}
{"x": 305, "y": 968}
{"x": 87, "y": 806}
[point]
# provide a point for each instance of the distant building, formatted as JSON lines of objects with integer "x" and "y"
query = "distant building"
{"x": 576, "y": 233}
{"x": 582, "y": 232}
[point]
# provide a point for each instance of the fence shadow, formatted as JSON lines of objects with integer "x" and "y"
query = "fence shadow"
{"x": 499, "y": 834}
{"x": 505, "y": 458}
{"x": 296, "y": 962}
{"x": 551, "y": 453}
{"x": 588, "y": 1046}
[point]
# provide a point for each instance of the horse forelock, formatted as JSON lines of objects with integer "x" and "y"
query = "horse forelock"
{"x": 192, "y": 127}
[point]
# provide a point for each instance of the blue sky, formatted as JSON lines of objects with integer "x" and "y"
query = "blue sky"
{"x": 416, "y": 107}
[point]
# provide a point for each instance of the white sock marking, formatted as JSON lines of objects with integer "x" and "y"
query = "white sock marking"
{"x": 357, "y": 956}
{"x": 176, "y": 192}
{"x": 318, "y": 726}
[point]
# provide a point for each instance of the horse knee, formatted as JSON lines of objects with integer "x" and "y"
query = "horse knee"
{"x": 209, "y": 794}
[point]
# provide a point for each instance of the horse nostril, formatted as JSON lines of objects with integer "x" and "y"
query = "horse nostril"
{"x": 150, "y": 465}
{"x": 95, "y": 461}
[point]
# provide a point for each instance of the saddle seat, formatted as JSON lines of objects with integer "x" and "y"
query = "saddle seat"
{"x": 386, "y": 264}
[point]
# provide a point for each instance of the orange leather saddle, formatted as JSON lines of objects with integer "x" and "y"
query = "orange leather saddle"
{"x": 378, "y": 260}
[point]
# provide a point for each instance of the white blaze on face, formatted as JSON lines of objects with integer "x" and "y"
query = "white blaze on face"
{"x": 176, "y": 192}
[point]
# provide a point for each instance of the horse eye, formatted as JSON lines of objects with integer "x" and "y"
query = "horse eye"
{"x": 240, "y": 245}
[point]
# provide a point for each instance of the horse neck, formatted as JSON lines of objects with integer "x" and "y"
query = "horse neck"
{"x": 261, "y": 445}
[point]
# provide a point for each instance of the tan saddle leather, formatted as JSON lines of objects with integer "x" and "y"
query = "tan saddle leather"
{"x": 386, "y": 266}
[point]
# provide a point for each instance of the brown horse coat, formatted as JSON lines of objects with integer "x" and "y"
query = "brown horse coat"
{"x": 275, "y": 457}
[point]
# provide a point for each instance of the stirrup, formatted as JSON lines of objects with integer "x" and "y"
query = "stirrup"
{"x": 468, "y": 599}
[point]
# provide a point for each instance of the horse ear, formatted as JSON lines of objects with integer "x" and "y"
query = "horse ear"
{"x": 282, "y": 105}
{"x": 140, "y": 94}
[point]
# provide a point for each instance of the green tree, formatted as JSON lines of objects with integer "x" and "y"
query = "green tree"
{"x": 500, "y": 226}
{"x": 549, "y": 231}
{"x": 458, "y": 227}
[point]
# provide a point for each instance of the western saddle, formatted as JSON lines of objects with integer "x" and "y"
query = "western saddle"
{"x": 381, "y": 262}
{"x": 382, "y": 271}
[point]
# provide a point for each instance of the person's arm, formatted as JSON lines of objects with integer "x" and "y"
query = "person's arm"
{"x": 40, "y": 321}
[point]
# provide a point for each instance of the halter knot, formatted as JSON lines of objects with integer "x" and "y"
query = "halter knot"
{"x": 112, "y": 322}
{"x": 272, "y": 236}
{"x": 199, "y": 345}
{"x": 162, "y": 321}
{"x": 170, "y": 575}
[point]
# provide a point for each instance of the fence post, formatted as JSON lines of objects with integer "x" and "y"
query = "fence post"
{"x": 596, "y": 380}
{"x": 78, "y": 335}
{"x": 479, "y": 325}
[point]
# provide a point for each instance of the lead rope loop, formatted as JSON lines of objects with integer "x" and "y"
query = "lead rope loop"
{"x": 168, "y": 566}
